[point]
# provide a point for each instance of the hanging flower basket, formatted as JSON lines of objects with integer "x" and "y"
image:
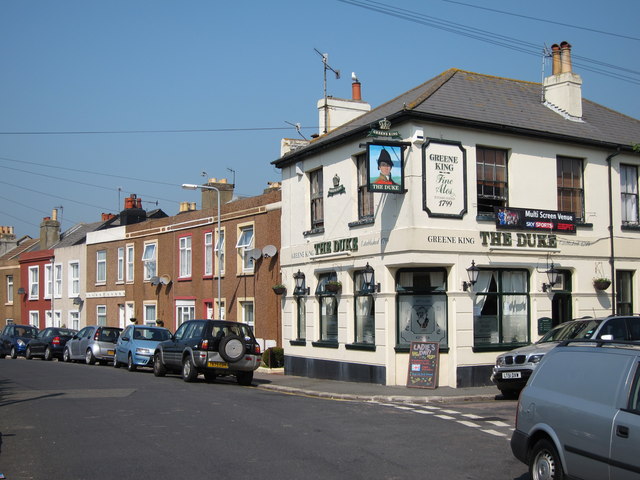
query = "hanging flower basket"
{"x": 601, "y": 283}
{"x": 279, "y": 289}
{"x": 333, "y": 286}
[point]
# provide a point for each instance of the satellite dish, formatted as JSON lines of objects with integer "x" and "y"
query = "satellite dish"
{"x": 269, "y": 251}
{"x": 155, "y": 280}
{"x": 165, "y": 279}
{"x": 254, "y": 253}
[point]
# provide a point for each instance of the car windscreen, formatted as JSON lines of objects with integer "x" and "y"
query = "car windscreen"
{"x": 65, "y": 332}
{"x": 151, "y": 334}
{"x": 572, "y": 330}
{"x": 109, "y": 335}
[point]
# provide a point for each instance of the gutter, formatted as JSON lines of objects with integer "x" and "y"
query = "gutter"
{"x": 612, "y": 258}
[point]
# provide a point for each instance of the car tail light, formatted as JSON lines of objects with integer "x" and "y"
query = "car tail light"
{"x": 56, "y": 340}
{"x": 96, "y": 337}
{"x": 204, "y": 344}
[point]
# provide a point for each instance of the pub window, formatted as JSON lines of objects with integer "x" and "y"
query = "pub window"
{"x": 301, "y": 310}
{"x": 629, "y": 194}
{"x": 570, "y": 186}
{"x": 364, "y": 312}
{"x": 501, "y": 308}
{"x": 365, "y": 197}
{"x": 422, "y": 306}
{"x": 624, "y": 292}
{"x": 491, "y": 173}
{"x": 317, "y": 203}
{"x": 328, "y": 309}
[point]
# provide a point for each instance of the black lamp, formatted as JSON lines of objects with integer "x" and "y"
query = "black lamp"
{"x": 369, "y": 279}
{"x": 473, "y": 272}
{"x": 301, "y": 288}
{"x": 552, "y": 276}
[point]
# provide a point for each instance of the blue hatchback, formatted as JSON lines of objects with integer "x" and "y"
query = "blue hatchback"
{"x": 136, "y": 345}
{"x": 15, "y": 338}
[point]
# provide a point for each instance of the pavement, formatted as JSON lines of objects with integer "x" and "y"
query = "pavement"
{"x": 276, "y": 380}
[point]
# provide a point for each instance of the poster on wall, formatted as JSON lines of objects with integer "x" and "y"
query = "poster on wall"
{"x": 444, "y": 178}
{"x": 385, "y": 167}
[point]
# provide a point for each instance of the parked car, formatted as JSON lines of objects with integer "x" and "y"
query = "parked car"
{"x": 513, "y": 369}
{"x": 49, "y": 343}
{"x": 92, "y": 344}
{"x": 579, "y": 415}
{"x": 136, "y": 345}
{"x": 15, "y": 338}
{"x": 210, "y": 347}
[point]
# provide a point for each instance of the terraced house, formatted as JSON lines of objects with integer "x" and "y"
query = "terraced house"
{"x": 471, "y": 213}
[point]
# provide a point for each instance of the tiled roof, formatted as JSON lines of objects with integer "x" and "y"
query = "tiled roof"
{"x": 488, "y": 102}
{"x": 27, "y": 245}
{"x": 76, "y": 234}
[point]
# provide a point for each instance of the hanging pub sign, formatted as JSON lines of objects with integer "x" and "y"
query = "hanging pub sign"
{"x": 444, "y": 178}
{"x": 533, "y": 219}
{"x": 385, "y": 167}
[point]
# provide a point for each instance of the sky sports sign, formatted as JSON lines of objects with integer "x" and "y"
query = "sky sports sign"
{"x": 532, "y": 219}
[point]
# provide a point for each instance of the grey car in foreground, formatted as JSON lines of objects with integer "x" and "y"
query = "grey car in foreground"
{"x": 579, "y": 415}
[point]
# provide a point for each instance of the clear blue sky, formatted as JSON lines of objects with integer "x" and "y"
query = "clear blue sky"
{"x": 168, "y": 69}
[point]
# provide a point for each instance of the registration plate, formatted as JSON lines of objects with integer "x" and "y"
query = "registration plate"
{"x": 508, "y": 375}
{"x": 217, "y": 365}
{"x": 111, "y": 352}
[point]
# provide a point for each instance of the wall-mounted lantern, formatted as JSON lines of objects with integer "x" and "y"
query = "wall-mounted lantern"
{"x": 472, "y": 272}
{"x": 301, "y": 285}
{"x": 552, "y": 277}
{"x": 369, "y": 284}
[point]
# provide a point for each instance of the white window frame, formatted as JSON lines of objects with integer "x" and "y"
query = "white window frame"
{"x": 74, "y": 278}
{"x": 74, "y": 319}
{"x": 48, "y": 280}
{"x": 121, "y": 264}
{"x": 150, "y": 310}
{"x": 34, "y": 283}
{"x": 149, "y": 260}
{"x": 57, "y": 280}
{"x": 9, "y": 288}
{"x": 185, "y": 310}
{"x": 244, "y": 244}
{"x": 208, "y": 253}
{"x": 101, "y": 315}
{"x": 246, "y": 311}
{"x": 219, "y": 247}
{"x": 34, "y": 318}
{"x": 185, "y": 256}
{"x": 130, "y": 269}
{"x": 101, "y": 266}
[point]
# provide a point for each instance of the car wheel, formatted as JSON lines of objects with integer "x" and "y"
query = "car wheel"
{"x": 89, "y": 358}
{"x": 244, "y": 378}
{"x": 210, "y": 376}
{"x": 66, "y": 355}
{"x": 544, "y": 463}
{"x": 159, "y": 369}
{"x": 14, "y": 353}
{"x": 27, "y": 354}
{"x": 189, "y": 372}
{"x": 48, "y": 354}
{"x": 231, "y": 348}
{"x": 130, "y": 365}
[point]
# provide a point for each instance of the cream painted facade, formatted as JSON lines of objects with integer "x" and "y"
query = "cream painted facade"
{"x": 403, "y": 236}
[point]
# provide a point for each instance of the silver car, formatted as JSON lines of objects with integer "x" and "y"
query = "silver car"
{"x": 513, "y": 369}
{"x": 92, "y": 344}
{"x": 579, "y": 415}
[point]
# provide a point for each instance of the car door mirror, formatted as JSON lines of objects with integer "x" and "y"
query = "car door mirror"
{"x": 125, "y": 339}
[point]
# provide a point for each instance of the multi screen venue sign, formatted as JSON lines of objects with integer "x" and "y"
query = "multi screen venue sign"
{"x": 533, "y": 219}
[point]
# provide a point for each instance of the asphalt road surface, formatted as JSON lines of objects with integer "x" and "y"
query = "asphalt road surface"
{"x": 74, "y": 421}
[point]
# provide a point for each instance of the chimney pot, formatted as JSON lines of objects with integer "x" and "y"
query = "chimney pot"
{"x": 565, "y": 53}
{"x": 356, "y": 91}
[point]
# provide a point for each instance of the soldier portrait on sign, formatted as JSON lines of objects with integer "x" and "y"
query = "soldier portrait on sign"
{"x": 385, "y": 164}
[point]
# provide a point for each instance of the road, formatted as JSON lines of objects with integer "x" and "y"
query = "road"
{"x": 74, "y": 421}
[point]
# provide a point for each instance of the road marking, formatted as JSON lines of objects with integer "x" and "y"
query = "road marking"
{"x": 494, "y": 432}
{"x": 468, "y": 423}
{"x": 498, "y": 423}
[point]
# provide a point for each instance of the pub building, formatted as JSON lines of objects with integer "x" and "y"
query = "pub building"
{"x": 472, "y": 212}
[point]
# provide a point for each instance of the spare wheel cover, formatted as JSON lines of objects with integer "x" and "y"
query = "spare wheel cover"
{"x": 231, "y": 348}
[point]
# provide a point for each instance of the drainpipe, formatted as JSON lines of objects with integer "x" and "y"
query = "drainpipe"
{"x": 612, "y": 257}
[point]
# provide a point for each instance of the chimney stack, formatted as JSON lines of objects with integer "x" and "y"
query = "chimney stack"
{"x": 209, "y": 197}
{"x": 563, "y": 88}
{"x": 356, "y": 90}
{"x": 49, "y": 231}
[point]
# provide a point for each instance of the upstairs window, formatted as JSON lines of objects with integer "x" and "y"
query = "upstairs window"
{"x": 491, "y": 173}
{"x": 208, "y": 253}
{"x": 365, "y": 197}
{"x": 130, "y": 258}
{"x": 185, "y": 256}
{"x": 101, "y": 266}
{"x": 629, "y": 194}
{"x": 317, "y": 202}
{"x": 120, "y": 264}
{"x": 244, "y": 245}
{"x": 74, "y": 279}
{"x": 9, "y": 288}
{"x": 149, "y": 261}
{"x": 570, "y": 187}
{"x": 34, "y": 284}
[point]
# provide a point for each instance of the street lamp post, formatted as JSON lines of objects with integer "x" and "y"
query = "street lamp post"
{"x": 191, "y": 186}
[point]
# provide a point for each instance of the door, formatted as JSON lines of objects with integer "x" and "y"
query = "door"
{"x": 173, "y": 350}
{"x": 560, "y": 308}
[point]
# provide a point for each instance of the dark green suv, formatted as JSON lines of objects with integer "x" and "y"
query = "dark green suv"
{"x": 210, "y": 347}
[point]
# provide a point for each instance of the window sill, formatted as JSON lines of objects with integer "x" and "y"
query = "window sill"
{"x": 485, "y": 217}
{"x": 498, "y": 347}
{"x": 325, "y": 344}
{"x": 313, "y": 231}
{"x": 184, "y": 279}
{"x": 369, "y": 347}
{"x": 298, "y": 343}
{"x": 361, "y": 222}
{"x": 630, "y": 228}
{"x": 584, "y": 225}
